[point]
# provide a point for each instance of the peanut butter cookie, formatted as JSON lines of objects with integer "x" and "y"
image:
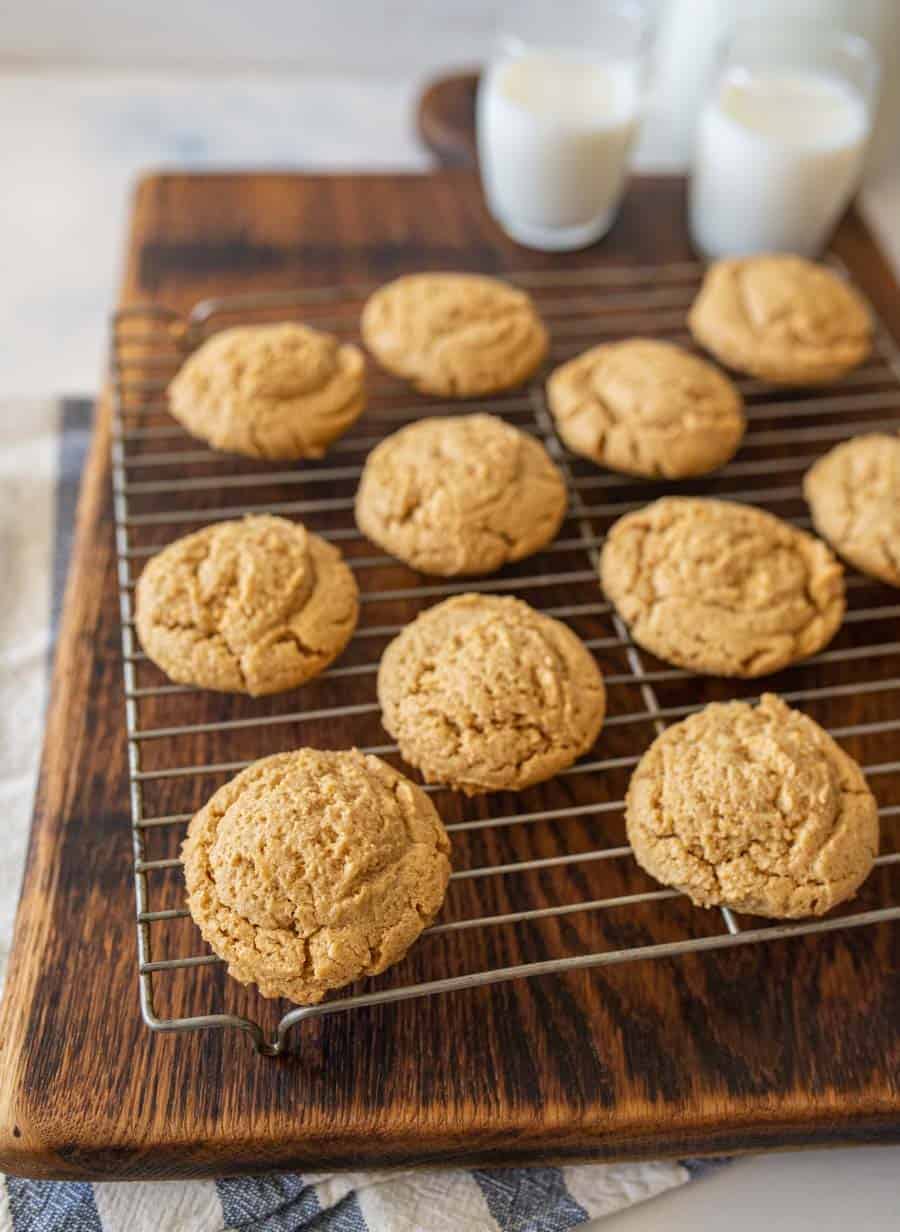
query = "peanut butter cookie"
{"x": 460, "y": 495}
{"x": 486, "y": 694}
{"x": 270, "y": 391}
{"x": 255, "y": 606}
{"x": 312, "y": 869}
{"x": 458, "y": 335}
{"x": 722, "y": 588}
{"x": 647, "y": 407}
{"x": 781, "y": 318}
{"x": 854, "y": 496}
{"x": 754, "y": 808}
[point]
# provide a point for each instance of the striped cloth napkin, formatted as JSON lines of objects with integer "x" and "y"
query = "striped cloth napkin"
{"x": 42, "y": 448}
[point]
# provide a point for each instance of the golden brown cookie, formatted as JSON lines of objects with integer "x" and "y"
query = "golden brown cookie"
{"x": 754, "y": 808}
{"x": 460, "y": 495}
{"x": 255, "y": 606}
{"x": 854, "y": 497}
{"x": 647, "y": 407}
{"x": 781, "y": 318}
{"x": 721, "y": 588}
{"x": 458, "y": 335}
{"x": 312, "y": 869}
{"x": 486, "y": 694}
{"x": 270, "y": 391}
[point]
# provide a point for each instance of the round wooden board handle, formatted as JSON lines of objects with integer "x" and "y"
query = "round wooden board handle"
{"x": 446, "y": 119}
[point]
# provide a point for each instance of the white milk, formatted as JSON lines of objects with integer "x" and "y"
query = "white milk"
{"x": 778, "y": 156}
{"x": 553, "y": 136}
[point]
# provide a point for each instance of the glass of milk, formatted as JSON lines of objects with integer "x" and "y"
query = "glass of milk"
{"x": 781, "y": 138}
{"x": 558, "y": 109}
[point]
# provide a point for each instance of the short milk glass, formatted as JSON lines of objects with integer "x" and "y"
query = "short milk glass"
{"x": 781, "y": 138}
{"x": 559, "y": 107}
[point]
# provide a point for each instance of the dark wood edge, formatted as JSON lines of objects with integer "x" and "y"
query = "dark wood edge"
{"x": 23, "y": 1145}
{"x": 192, "y": 1159}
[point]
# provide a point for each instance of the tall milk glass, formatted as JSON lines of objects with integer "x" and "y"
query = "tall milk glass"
{"x": 781, "y": 138}
{"x": 558, "y": 109}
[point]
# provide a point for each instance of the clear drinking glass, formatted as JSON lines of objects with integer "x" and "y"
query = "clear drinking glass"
{"x": 781, "y": 138}
{"x": 559, "y": 107}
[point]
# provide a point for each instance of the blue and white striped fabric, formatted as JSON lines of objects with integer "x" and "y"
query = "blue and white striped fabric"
{"x": 42, "y": 447}
{"x": 505, "y": 1200}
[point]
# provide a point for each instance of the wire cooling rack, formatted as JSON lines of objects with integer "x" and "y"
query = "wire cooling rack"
{"x": 553, "y": 859}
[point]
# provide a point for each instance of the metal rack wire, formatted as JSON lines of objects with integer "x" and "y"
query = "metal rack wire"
{"x": 175, "y": 761}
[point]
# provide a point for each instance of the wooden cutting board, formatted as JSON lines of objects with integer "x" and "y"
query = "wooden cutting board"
{"x": 790, "y": 1044}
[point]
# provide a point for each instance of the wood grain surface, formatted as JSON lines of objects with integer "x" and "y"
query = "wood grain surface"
{"x": 790, "y": 1044}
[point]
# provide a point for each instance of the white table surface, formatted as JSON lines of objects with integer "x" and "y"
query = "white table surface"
{"x": 71, "y": 145}
{"x": 855, "y": 1190}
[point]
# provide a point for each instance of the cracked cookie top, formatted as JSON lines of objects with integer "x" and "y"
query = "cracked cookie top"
{"x": 721, "y": 588}
{"x": 781, "y": 318}
{"x": 854, "y": 497}
{"x": 270, "y": 391}
{"x": 311, "y": 869}
{"x": 254, "y": 606}
{"x": 458, "y": 335}
{"x": 486, "y": 694}
{"x": 460, "y": 495}
{"x": 646, "y": 407}
{"x": 753, "y": 808}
